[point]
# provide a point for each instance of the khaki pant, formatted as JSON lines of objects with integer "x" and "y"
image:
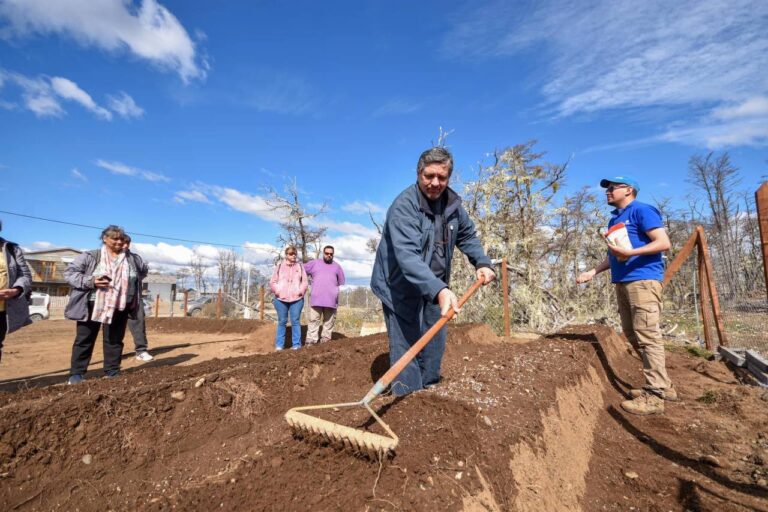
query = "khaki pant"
{"x": 328, "y": 317}
{"x": 640, "y": 309}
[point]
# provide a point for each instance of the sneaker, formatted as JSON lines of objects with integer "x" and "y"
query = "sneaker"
{"x": 669, "y": 394}
{"x": 144, "y": 356}
{"x": 112, "y": 374}
{"x": 644, "y": 405}
{"x": 277, "y": 349}
{"x": 75, "y": 379}
{"x": 296, "y": 348}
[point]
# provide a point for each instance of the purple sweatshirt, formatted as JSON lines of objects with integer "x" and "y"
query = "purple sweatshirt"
{"x": 326, "y": 279}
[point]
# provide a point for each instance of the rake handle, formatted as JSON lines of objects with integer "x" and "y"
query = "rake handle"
{"x": 406, "y": 358}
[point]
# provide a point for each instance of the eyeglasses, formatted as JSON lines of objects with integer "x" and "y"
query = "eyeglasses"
{"x": 611, "y": 188}
{"x": 290, "y": 254}
{"x": 328, "y": 253}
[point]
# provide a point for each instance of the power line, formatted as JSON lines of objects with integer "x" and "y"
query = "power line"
{"x": 129, "y": 232}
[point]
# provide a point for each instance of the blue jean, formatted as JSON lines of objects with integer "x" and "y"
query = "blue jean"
{"x": 405, "y": 326}
{"x": 285, "y": 310}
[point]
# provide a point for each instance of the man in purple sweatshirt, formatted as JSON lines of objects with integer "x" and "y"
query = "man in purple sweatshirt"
{"x": 326, "y": 276}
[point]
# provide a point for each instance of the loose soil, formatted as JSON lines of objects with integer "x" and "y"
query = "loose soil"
{"x": 514, "y": 425}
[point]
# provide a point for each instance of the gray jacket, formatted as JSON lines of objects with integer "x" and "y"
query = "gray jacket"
{"x": 402, "y": 273}
{"x": 79, "y": 275}
{"x": 17, "y": 309}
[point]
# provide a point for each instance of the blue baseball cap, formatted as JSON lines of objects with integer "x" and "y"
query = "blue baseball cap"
{"x": 626, "y": 180}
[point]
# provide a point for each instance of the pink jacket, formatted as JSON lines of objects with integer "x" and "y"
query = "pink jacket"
{"x": 289, "y": 281}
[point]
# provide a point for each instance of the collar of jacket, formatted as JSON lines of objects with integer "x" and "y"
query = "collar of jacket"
{"x": 453, "y": 201}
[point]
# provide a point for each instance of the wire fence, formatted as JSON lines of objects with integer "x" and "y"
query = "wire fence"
{"x": 743, "y": 304}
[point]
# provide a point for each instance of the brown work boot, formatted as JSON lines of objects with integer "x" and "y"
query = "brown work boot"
{"x": 669, "y": 394}
{"x": 644, "y": 405}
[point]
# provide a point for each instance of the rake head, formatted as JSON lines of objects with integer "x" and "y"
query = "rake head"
{"x": 368, "y": 443}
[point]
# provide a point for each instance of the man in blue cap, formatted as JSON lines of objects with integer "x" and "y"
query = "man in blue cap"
{"x": 638, "y": 274}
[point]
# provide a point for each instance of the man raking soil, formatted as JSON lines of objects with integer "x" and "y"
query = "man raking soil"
{"x": 411, "y": 275}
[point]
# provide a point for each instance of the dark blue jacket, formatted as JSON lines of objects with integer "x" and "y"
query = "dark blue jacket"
{"x": 401, "y": 273}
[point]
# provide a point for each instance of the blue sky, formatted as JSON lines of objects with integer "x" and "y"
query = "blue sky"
{"x": 173, "y": 117}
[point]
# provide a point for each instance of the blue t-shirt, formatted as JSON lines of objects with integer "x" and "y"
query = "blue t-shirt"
{"x": 639, "y": 218}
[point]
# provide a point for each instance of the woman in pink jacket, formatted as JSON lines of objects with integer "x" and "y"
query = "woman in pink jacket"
{"x": 289, "y": 284}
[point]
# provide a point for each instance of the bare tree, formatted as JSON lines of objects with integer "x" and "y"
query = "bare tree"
{"x": 719, "y": 180}
{"x": 298, "y": 226}
{"x": 512, "y": 204}
{"x": 228, "y": 269}
{"x": 373, "y": 243}
{"x": 182, "y": 275}
{"x": 197, "y": 267}
{"x": 442, "y": 136}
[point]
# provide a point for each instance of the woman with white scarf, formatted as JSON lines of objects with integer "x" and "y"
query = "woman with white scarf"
{"x": 104, "y": 294}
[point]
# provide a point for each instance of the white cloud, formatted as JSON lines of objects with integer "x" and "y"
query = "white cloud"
{"x": 395, "y": 107}
{"x": 743, "y": 132}
{"x": 622, "y": 54}
{"x": 351, "y": 247}
{"x": 43, "y": 105}
{"x": 167, "y": 254}
{"x": 79, "y": 175}
{"x": 346, "y": 227}
{"x": 41, "y": 245}
{"x": 36, "y": 94}
{"x": 356, "y": 269}
{"x": 248, "y": 203}
{"x": 756, "y": 106}
{"x": 69, "y": 90}
{"x": 352, "y": 254}
{"x": 362, "y": 207}
{"x": 737, "y": 124}
{"x": 42, "y": 95}
{"x": 124, "y": 105}
{"x": 125, "y": 170}
{"x": 148, "y": 30}
{"x": 281, "y": 94}
{"x": 170, "y": 258}
{"x": 191, "y": 195}
{"x": 260, "y": 254}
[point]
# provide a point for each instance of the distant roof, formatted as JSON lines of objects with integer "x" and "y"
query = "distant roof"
{"x": 51, "y": 251}
{"x": 64, "y": 255}
{"x": 160, "y": 279}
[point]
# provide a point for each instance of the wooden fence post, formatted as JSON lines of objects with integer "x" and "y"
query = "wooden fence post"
{"x": 761, "y": 203}
{"x": 706, "y": 312}
{"x": 712, "y": 288}
{"x": 186, "y": 300}
{"x": 218, "y": 306}
{"x": 157, "y": 305}
{"x": 261, "y": 303}
{"x": 505, "y": 291}
{"x": 681, "y": 256}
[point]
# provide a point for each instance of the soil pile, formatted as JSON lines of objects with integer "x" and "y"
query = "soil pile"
{"x": 512, "y": 426}
{"x": 192, "y": 324}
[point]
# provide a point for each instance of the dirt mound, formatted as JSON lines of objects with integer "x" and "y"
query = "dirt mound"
{"x": 474, "y": 334}
{"x": 511, "y": 427}
{"x": 191, "y": 324}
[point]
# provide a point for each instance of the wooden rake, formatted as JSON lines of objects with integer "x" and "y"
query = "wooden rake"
{"x": 375, "y": 445}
